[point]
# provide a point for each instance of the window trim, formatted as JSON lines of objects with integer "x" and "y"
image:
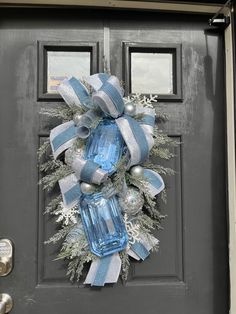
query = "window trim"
{"x": 175, "y": 49}
{"x": 45, "y": 46}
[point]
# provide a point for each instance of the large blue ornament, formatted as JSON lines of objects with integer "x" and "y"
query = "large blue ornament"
{"x": 103, "y": 224}
{"x": 105, "y": 145}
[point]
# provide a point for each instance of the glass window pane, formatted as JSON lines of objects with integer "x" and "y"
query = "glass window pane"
{"x": 152, "y": 73}
{"x": 63, "y": 64}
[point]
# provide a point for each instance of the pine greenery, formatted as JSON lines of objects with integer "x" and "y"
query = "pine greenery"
{"x": 77, "y": 252}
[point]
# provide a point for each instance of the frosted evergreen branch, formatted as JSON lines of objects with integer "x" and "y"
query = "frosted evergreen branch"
{"x": 152, "y": 208}
{"x": 163, "y": 153}
{"x": 53, "y": 205}
{"x": 118, "y": 177}
{"x": 147, "y": 224}
{"x": 74, "y": 248}
{"x": 158, "y": 168}
{"x": 51, "y": 165}
{"x": 160, "y": 115}
{"x": 63, "y": 112}
{"x": 76, "y": 265}
{"x": 164, "y": 196}
{"x": 49, "y": 181}
{"x": 43, "y": 149}
{"x": 72, "y": 268}
{"x": 163, "y": 139}
{"x": 62, "y": 233}
{"x": 125, "y": 264}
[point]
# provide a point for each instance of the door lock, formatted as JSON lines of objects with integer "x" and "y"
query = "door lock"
{"x": 6, "y": 256}
{"x": 6, "y": 303}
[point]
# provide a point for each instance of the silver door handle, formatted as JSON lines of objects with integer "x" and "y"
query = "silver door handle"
{"x": 6, "y": 303}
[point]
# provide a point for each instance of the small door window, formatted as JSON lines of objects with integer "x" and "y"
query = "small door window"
{"x": 60, "y": 60}
{"x": 152, "y": 73}
{"x": 151, "y": 68}
{"x": 63, "y": 64}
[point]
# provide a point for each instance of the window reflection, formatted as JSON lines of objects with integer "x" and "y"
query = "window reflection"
{"x": 151, "y": 73}
{"x": 63, "y": 64}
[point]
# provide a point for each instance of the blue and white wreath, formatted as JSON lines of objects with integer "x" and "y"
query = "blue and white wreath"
{"x": 102, "y": 157}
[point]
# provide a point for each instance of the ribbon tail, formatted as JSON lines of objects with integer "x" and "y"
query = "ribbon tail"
{"x": 104, "y": 270}
{"x": 141, "y": 249}
{"x": 70, "y": 190}
{"x": 155, "y": 183}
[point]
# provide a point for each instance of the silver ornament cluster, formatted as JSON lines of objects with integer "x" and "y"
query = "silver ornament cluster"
{"x": 130, "y": 109}
{"x": 77, "y": 118}
{"x": 137, "y": 171}
{"x": 132, "y": 202}
{"x": 87, "y": 188}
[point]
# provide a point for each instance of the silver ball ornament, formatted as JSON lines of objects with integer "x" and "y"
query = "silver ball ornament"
{"x": 87, "y": 188}
{"x": 130, "y": 109}
{"x": 76, "y": 118}
{"x": 132, "y": 202}
{"x": 137, "y": 171}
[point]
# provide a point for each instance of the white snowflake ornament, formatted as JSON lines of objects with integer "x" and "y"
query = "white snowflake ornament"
{"x": 132, "y": 230}
{"x": 67, "y": 215}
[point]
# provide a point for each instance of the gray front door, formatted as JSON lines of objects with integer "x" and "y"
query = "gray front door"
{"x": 189, "y": 274}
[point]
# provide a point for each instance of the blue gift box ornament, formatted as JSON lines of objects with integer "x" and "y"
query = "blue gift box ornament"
{"x": 105, "y": 145}
{"x": 103, "y": 224}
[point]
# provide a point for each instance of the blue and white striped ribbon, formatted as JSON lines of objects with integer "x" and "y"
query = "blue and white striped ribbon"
{"x": 70, "y": 190}
{"x": 155, "y": 183}
{"x": 88, "y": 171}
{"x": 104, "y": 270}
{"x": 135, "y": 138}
{"x": 75, "y": 93}
{"x": 141, "y": 249}
{"x": 86, "y": 121}
{"x": 147, "y": 122}
{"x": 110, "y": 98}
{"x": 97, "y": 80}
{"x": 62, "y": 137}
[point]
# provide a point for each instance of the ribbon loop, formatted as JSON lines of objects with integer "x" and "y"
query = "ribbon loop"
{"x": 86, "y": 121}
{"x": 88, "y": 171}
{"x": 62, "y": 137}
{"x": 135, "y": 138}
{"x": 75, "y": 93}
{"x": 109, "y": 97}
{"x": 155, "y": 182}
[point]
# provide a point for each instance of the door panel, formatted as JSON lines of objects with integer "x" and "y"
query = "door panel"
{"x": 189, "y": 274}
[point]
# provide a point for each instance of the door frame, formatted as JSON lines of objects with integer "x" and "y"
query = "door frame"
{"x": 229, "y": 83}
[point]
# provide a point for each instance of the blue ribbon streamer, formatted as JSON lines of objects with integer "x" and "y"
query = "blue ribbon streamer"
{"x": 140, "y": 137}
{"x": 73, "y": 194}
{"x": 102, "y": 270}
{"x": 140, "y": 250}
